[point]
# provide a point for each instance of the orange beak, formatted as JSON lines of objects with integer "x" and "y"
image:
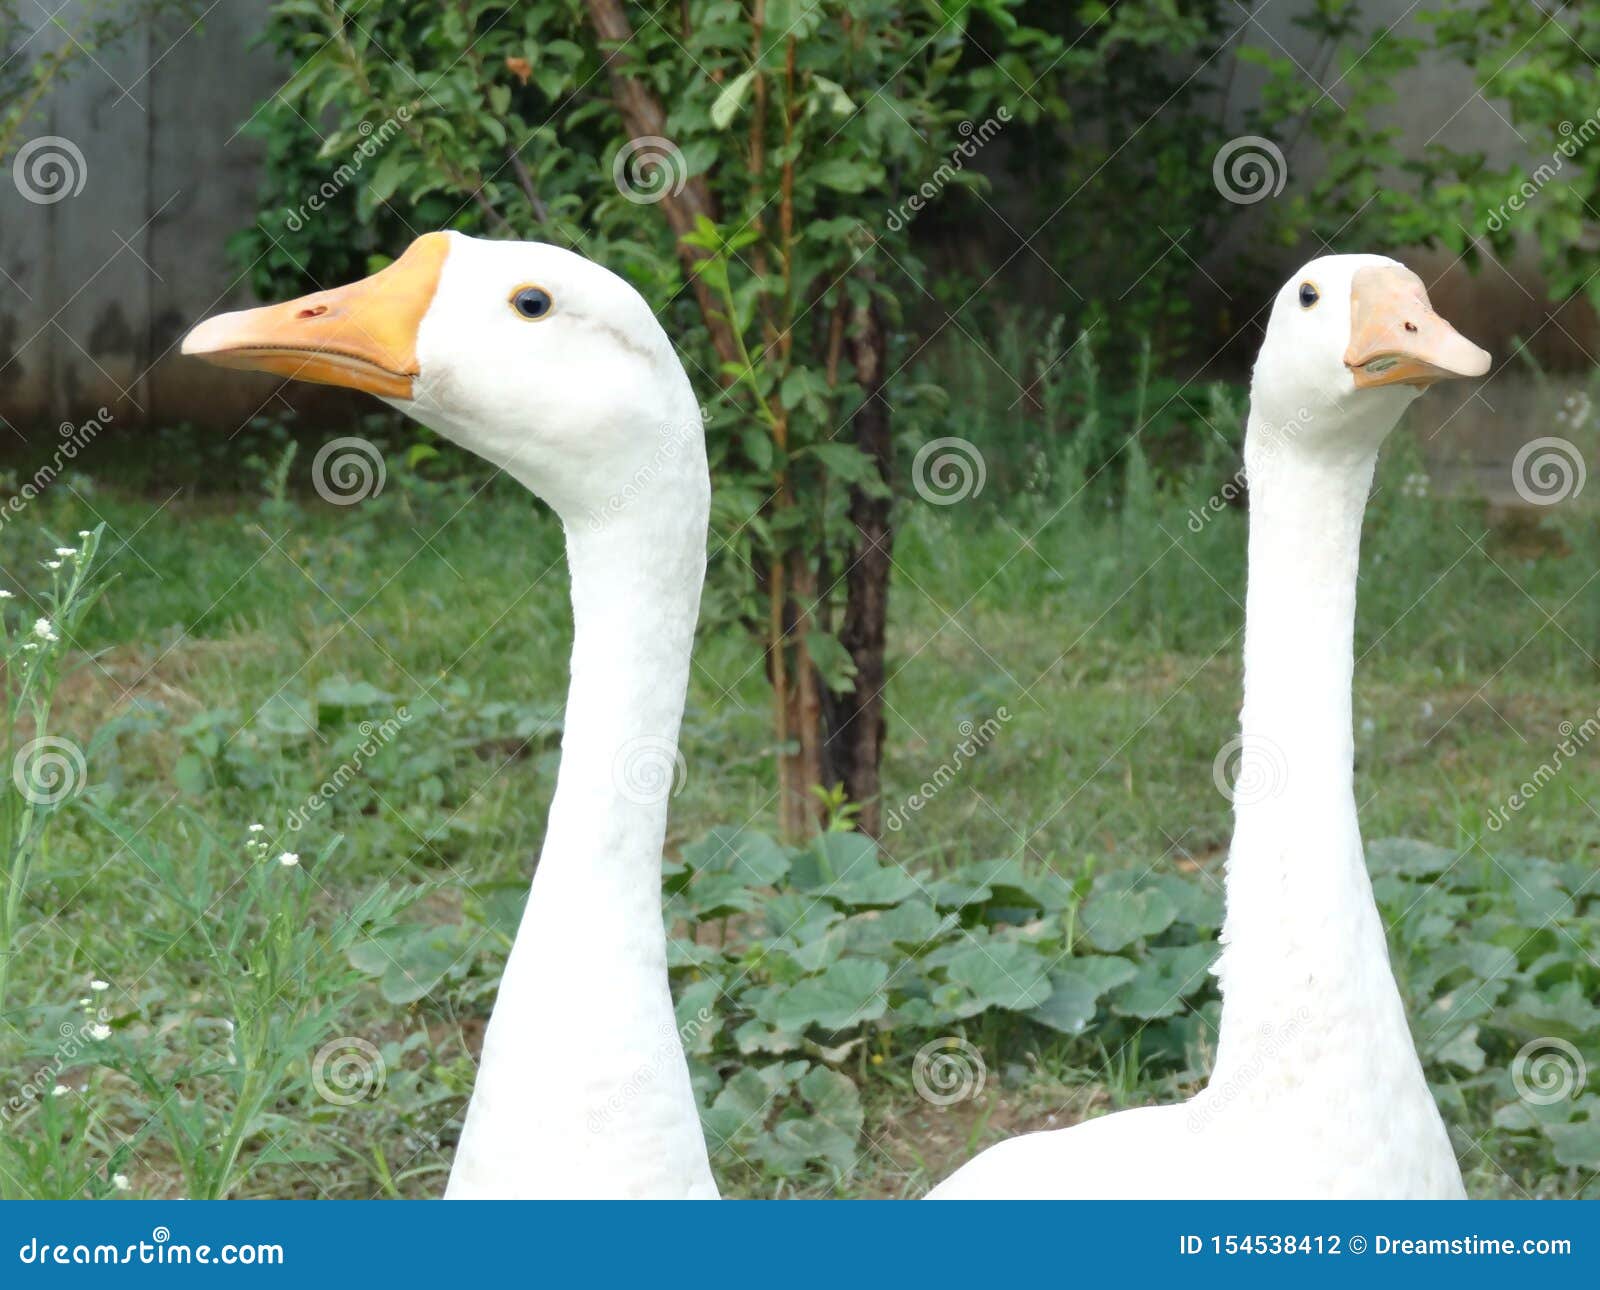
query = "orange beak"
{"x": 363, "y": 336}
{"x": 1397, "y": 339}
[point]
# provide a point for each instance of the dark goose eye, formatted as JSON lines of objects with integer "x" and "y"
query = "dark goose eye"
{"x": 532, "y": 302}
{"x": 1308, "y": 295}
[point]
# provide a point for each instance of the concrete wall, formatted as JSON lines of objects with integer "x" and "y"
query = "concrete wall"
{"x": 98, "y": 287}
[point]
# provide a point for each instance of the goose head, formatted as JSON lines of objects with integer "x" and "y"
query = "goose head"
{"x": 533, "y": 357}
{"x": 1351, "y": 341}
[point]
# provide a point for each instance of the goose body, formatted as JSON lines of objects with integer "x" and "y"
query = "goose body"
{"x": 555, "y": 370}
{"x": 1317, "y": 1090}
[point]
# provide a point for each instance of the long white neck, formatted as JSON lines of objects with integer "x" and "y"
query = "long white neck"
{"x": 1304, "y": 945}
{"x": 583, "y": 1089}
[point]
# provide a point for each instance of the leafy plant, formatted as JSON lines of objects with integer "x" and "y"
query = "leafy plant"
{"x": 46, "y": 770}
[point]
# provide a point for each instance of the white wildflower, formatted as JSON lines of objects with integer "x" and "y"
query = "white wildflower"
{"x": 52, "y": 564}
{"x": 99, "y": 1031}
{"x": 257, "y": 828}
{"x": 67, "y": 552}
{"x": 7, "y": 595}
{"x": 120, "y": 1181}
{"x": 289, "y": 859}
{"x": 44, "y": 630}
{"x": 60, "y": 1090}
{"x": 84, "y": 533}
{"x": 97, "y": 985}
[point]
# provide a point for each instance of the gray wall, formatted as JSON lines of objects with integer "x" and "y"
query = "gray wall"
{"x": 98, "y": 286}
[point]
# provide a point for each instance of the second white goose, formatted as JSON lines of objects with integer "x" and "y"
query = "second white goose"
{"x": 1317, "y": 1091}
{"x": 555, "y": 369}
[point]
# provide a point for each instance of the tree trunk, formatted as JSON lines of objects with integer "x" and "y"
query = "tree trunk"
{"x": 856, "y": 734}
{"x": 643, "y": 116}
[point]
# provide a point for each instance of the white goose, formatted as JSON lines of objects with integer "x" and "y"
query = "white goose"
{"x": 554, "y": 369}
{"x": 1317, "y": 1090}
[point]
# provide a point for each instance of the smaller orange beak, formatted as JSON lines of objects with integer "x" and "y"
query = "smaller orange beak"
{"x": 1397, "y": 339}
{"x": 362, "y": 336}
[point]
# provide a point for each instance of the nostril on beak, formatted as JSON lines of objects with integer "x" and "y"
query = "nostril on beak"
{"x": 1411, "y": 326}
{"x": 316, "y": 311}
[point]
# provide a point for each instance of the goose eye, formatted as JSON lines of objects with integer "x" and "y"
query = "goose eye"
{"x": 532, "y": 302}
{"x": 1308, "y": 295}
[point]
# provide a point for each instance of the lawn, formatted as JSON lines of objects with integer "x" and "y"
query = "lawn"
{"x": 1065, "y": 672}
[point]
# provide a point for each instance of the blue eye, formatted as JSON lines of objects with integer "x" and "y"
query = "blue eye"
{"x": 532, "y": 302}
{"x": 1308, "y": 295}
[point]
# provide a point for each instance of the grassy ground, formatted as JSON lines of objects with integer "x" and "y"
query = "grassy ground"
{"x": 241, "y": 632}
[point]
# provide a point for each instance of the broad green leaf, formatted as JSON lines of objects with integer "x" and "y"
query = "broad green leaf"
{"x": 1115, "y": 918}
{"x": 999, "y": 974}
{"x": 845, "y": 994}
{"x": 1163, "y": 981}
{"x": 1076, "y": 990}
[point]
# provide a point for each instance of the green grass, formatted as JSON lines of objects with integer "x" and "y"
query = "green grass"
{"x": 243, "y": 639}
